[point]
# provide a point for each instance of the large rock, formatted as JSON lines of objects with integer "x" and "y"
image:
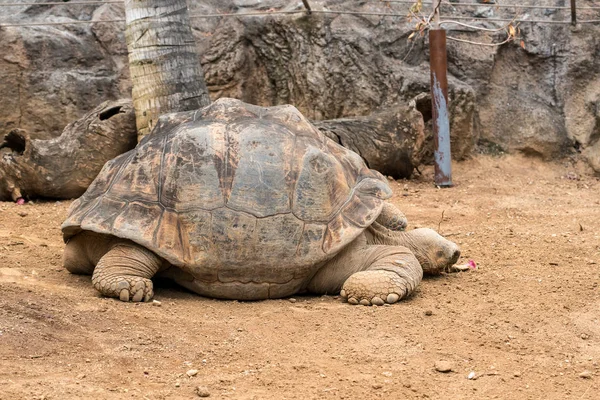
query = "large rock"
{"x": 539, "y": 99}
{"x": 52, "y": 75}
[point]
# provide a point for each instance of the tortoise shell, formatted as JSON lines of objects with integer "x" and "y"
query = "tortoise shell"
{"x": 234, "y": 192}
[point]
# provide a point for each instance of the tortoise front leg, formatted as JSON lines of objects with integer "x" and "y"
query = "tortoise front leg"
{"x": 125, "y": 272}
{"x": 369, "y": 274}
{"x": 392, "y": 273}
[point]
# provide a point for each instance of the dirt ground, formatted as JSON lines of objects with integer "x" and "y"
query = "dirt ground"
{"x": 526, "y": 322}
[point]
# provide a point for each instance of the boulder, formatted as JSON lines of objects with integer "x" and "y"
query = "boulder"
{"x": 52, "y": 75}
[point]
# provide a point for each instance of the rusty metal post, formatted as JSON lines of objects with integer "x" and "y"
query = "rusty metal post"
{"x": 308, "y": 10}
{"x": 439, "y": 103}
{"x": 573, "y": 13}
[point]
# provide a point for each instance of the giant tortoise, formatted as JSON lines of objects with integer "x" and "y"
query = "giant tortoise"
{"x": 236, "y": 201}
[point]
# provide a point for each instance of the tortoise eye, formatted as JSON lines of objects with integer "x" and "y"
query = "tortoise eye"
{"x": 439, "y": 254}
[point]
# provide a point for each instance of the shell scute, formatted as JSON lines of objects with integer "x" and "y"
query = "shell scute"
{"x": 196, "y": 233}
{"x": 137, "y": 220}
{"x": 321, "y": 188}
{"x": 232, "y": 235}
{"x": 260, "y": 186}
{"x": 190, "y": 179}
{"x": 138, "y": 179}
{"x": 168, "y": 235}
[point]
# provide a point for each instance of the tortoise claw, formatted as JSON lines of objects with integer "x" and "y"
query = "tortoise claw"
{"x": 376, "y": 287}
{"x": 126, "y": 288}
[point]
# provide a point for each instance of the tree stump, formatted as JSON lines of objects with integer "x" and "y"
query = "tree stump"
{"x": 63, "y": 167}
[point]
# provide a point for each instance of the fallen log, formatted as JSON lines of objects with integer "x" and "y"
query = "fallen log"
{"x": 63, "y": 167}
{"x": 389, "y": 141}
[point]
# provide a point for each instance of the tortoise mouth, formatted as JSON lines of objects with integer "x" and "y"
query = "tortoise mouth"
{"x": 454, "y": 258}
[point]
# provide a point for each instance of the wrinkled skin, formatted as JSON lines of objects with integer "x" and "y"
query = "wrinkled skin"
{"x": 383, "y": 265}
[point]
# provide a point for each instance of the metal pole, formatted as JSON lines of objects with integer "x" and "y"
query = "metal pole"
{"x": 573, "y": 13}
{"x": 308, "y": 10}
{"x": 438, "y": 66}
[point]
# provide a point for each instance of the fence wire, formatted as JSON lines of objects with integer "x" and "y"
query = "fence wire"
{"x": 313, "y": 11}
{"x": 490, "y": 4}
{"x": 62, "y": 3}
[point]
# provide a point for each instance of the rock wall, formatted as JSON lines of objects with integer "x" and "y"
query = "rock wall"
{"x": 52, "y": 75}
{"x": 542, "y": 100}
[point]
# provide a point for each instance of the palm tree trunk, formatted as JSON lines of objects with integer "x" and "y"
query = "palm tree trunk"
{"x": 163, "y": 61}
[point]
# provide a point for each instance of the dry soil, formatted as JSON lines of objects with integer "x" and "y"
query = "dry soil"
{"x": 524, "y": 325}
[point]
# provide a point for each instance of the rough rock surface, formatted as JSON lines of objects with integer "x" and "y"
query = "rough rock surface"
{"x": 63, "y": 167}
{"x": 52, "y": 75}
{"x": 390, "y": 142}
{"x": 542, "y": 99}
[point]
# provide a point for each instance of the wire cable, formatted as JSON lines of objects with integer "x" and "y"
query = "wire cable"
{"x": 249, "y": 14}
{"x": 488, "y": 5}
{"x": 61, "y": 3}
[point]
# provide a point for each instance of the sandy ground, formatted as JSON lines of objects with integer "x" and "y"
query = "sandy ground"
{"x": 526, "y": 322}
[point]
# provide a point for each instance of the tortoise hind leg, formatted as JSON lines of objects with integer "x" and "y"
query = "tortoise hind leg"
{"x": 125, "y": 272}
{"x": 75, "y": 258}
{"x": 83, "y": 251}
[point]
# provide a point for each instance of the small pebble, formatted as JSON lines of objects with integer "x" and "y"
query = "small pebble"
{"x": 156, "y": 303}
{"x": 22, "y": 214}
{"x": 202, "y": 391}
{"x": 443, "y": 366}
{"x": 471, "y": 375}
{"x": 428, "y": 312}
{"x": 292, "y": 300}
{"x": 377, "y": 386}
{"x": 192, "y": 372}
{"x": 517, "y": 374}
{"x": 177, "y": 384}
{"x": 585, "y": 374}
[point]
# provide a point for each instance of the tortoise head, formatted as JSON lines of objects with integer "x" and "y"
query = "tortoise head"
{"x": 434, "y": 252}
